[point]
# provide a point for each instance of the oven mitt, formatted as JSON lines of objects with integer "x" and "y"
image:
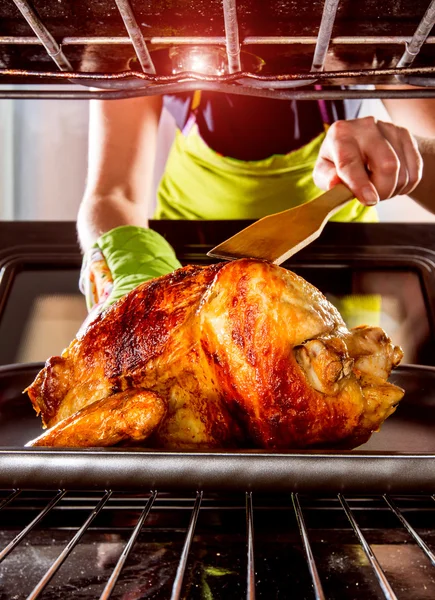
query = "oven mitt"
{"x": 119, "y": 261}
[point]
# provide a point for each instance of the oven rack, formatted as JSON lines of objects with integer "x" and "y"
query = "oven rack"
{"x": 147, "y": 81}
{"x": 80, "y": 513}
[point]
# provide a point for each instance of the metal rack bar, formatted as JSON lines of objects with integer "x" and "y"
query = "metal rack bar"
{"x": 378, "y": 571}
{"x": 229, "y": 78}
{"x": 178, "y": 581}
{"x": 17, "y": 539}
{"x": 232, "y": 36}
{"x": 410, "y": 529}
{"x": 250, "y": 587}
{"x": 136, "y": 36}
{"x": 324, "y": 35}
{"x": 218, "y": 40}
{"x": 317, "y": 584}
{"x": 117, "y": 94}
{"x": 338, "y": 40}
{"x": 130, "y": 80}
{"x": 107, "y": 592}
{"x": 419, "y": 37}
{"x": 9, "y": 498}
{"x": 68, "y": 548}
{"x": 47, "y": 40}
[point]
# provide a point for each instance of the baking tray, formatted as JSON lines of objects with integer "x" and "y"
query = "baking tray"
{"x": 399, "y": 459}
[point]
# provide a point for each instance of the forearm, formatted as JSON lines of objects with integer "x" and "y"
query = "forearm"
{"x": 424, "y": 193}
{"x": 122, "y": 145}
{"x": 99, "y": 214}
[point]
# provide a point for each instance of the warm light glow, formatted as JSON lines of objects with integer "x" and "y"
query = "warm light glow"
{"x": 199, "y": 64}
{"x": 203, "y": 60}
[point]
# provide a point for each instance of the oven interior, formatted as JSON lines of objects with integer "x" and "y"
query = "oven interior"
{"x": 145, "y": 540}
{"x": 44, "y": 309}
{"x": 41, "y": 307}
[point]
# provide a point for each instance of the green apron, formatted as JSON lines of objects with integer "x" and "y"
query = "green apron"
{"x": 199, "y": 183}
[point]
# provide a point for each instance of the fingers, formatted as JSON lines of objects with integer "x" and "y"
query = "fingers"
{"x": 375, "y": 160}
{"x": 342, "y": 149}
{"x": 325, "y": 174}
{"x": 392, "y": 136}
{"x": 326, "y": 177}
{"x": 409, "y": 156}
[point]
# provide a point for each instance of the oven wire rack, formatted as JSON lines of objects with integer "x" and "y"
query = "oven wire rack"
{"x": 94, "y": 504}
{"x": 147, "y": 81}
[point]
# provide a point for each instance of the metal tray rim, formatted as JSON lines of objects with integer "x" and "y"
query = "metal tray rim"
{"x": 314, "y": 473}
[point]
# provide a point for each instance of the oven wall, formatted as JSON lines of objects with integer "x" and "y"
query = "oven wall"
{"x": 6, "y": 160}
{"x": 49, "y": 140}
{"x": 43, "y": 152}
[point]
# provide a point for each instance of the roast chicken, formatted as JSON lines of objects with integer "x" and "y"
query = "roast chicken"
{"x": 242, "y": 354}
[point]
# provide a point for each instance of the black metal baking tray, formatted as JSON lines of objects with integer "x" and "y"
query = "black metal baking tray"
{"x": 399, "y": 459}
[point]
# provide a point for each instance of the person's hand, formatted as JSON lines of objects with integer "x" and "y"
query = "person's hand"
{"x": 374, "y": 159}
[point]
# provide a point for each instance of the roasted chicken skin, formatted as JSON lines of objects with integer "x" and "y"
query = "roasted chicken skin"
{"x": 238, "y": 354}
{"x": 129, "y": 416}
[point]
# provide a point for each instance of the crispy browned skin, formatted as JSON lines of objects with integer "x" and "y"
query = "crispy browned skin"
{"x": 127, "y": 416}
{"x": 245, "y": 354}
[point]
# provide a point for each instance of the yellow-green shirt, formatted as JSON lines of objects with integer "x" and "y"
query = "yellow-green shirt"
{"x": 199, "y": 183}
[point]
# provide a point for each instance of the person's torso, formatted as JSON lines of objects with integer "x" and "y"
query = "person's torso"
{"x": 250, "y": 128}
{"x": 243, "y": 157}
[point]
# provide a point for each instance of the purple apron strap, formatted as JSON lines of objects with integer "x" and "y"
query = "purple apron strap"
{"x": 189, "y": 124}
{"x": 194, "y": 105}
{"x": 323, "y": 108}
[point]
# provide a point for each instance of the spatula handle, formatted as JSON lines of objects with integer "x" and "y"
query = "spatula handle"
{"x": 332, "y": 200}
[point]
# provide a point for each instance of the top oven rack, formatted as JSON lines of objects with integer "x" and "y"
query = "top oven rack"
{"x": 145, "y": 78}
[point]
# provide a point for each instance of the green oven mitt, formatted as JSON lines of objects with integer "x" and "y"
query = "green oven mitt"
{"x": 120, "y": 260}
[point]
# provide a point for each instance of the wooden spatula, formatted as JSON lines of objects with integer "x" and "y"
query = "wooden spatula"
{"x": 277, "y": 237}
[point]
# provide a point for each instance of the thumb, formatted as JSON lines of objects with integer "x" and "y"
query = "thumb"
{"x": 325, "y": 174}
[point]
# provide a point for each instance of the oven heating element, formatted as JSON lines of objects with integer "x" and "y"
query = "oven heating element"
{"x": 147, "y": 81}
{"x": 81, "y": 511}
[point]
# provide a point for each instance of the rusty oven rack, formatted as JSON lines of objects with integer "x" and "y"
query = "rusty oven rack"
{"x": 64, "y": 510}
{"x": 147, "y": 81}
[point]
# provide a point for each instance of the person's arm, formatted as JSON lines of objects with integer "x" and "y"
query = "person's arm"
{"x": 418, "y": 115}
{"x": 120, "y": 251}
{"x": 122, "y": 147}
